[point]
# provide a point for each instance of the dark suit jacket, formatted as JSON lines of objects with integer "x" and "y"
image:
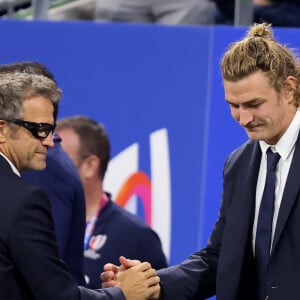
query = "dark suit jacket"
{"x": 226, "y": 266}
{"x": 61, "y": 182}
{"x": 29, "y": 263}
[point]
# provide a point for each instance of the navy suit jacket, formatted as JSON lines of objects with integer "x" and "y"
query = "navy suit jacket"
{"x": 29, "y": 264}
{"x": 61, "y": 182}
{"x": 226, "y": 266}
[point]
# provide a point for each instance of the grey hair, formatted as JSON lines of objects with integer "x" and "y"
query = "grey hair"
{"x": 15, "y": 88}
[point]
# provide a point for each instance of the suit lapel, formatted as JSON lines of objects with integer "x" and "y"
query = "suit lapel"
{"x": 290, "y": 193}
{"x": 238, "y": 230}
{"x": 246, "y": 185}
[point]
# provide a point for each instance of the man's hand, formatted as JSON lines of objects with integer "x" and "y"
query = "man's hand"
{"x": 108, "y": 276}
{"x": 137, "y": 280}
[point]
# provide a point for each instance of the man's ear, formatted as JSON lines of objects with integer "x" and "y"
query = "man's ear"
{"x": 291, "y": 88}
{"x": 90, "y": 166}
{"x": 3, "y": 131}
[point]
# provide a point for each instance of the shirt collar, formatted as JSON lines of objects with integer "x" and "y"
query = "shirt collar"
{"x": 13, "y": 167}
{"x": 287, "y": 142}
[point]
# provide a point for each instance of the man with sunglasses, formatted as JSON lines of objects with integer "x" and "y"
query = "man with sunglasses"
{"x": 29, "y": 263}
{"x": 61, "y": 182}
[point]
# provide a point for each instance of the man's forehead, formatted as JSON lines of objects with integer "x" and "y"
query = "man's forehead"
{"x": 38, "y": 106}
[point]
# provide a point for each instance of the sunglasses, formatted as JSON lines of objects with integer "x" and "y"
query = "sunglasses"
{"x": 38, "y": 130}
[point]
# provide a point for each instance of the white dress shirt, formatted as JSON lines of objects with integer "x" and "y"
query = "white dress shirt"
{"x": 13, "y": 167}
{"x": 285, "y": 147}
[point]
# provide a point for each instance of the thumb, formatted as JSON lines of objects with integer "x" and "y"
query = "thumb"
{"x": 127, "y": 263}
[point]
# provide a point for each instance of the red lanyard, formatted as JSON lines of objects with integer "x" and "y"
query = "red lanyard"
{"x": 90, "y": 225}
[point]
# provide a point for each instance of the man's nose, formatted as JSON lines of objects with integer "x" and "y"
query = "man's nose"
{"x": 48, "y": 141}
{"x": 245, "y": 117}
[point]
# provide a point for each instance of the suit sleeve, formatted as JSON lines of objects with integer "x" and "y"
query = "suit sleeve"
{"x": 33, "y": 247}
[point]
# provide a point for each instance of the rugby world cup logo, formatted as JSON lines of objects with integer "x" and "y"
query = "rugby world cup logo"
{"x": 128, "y": 184}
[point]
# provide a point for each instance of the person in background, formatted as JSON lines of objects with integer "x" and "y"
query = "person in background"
{"x": 280, "y": 13}
{"x": 61, "y": 182}
{"x": 171, "y": 12}
{"x": 29, "y": 264}
{"x": 167, "y": 12}
{"x": 111, "y": 231}
{"x": 254, "y": 249}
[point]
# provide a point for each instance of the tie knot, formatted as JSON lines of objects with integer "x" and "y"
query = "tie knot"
{"x": 272, "y": 160}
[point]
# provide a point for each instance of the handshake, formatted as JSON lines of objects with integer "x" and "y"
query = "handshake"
{"x": 137, "y": 280}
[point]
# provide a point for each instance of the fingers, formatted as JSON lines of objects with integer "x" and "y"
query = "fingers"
{"x": 108, "y": 279}
{"x": 154, "y": 292}
{"x": 111, "y": 267}
{"x": 133, "y": 277}
{"x": 143, "y": 266}
{"x": 107, "y": 275}
{"x": 139, "y": 282}
{"x": 108, "y": 283}
{"x": 154, "y": 280}
{"x": 149, "y": 273}
{"x": 128, "y": 263}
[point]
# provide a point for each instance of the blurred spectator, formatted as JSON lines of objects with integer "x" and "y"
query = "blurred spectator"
{"x": 193, "y": 12}
{"x": 111, "y": 231}
{"x": 224, "y": 11}
{"x": 280, "y": 13}
{"x": 61, "y": 182}
{"x": 73, "y": 10}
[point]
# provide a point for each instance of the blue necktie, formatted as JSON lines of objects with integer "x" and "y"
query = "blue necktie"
{"x": 264, "y": 224}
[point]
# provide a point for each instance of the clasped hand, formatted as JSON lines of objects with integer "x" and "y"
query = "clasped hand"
{"x": 137, "y": 280}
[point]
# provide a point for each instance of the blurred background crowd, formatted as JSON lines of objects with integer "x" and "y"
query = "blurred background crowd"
{"x": 281, "y": 13}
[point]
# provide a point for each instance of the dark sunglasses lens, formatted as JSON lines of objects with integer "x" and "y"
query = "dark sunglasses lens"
{"x": 43, "y": 130}
{"x": 38, "y": 130}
